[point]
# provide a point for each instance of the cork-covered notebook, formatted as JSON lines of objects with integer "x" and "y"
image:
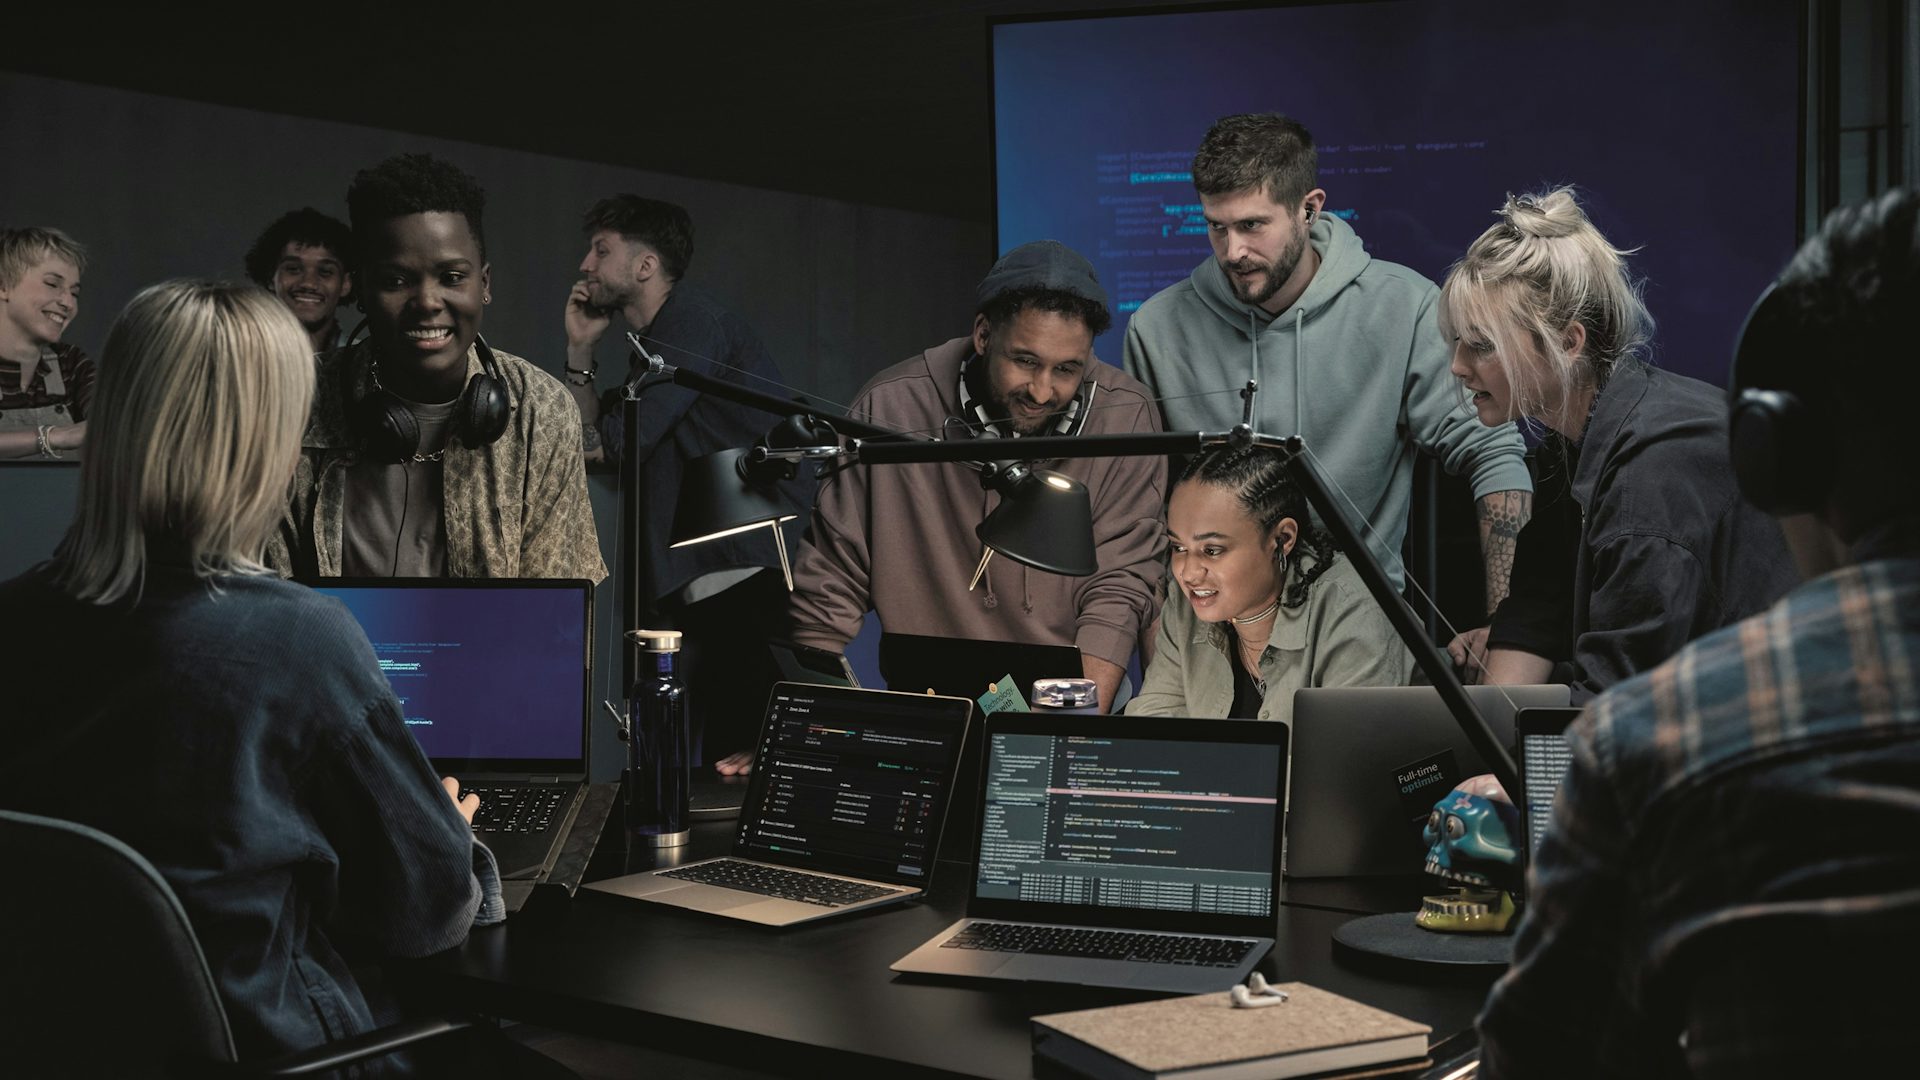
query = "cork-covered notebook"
{"x": 1204, "y": 1036}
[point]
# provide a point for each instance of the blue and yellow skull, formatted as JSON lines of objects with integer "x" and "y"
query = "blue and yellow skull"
{"x": 1470, "y": 843}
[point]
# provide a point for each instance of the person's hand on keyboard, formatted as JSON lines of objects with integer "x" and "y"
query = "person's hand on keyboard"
{"x": 739, "y": 764}
{"x": 467, "y": 806}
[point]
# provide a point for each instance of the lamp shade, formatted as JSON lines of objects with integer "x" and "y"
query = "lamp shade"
{"x": 1044, "y": 520}
{"x": 719, "y": 496}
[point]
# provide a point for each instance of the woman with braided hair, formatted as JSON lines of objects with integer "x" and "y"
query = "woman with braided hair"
{"x": 1265, "y": 607}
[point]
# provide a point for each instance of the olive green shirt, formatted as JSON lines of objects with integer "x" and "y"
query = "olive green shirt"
{"x": 516, "y": 507}
{"x": 1339, "y": 637}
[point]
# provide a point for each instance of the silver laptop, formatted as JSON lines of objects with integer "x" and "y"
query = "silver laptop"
{"x": 1122, "y": 851}
{"x": 1369, "y": 762}
{"x": 494, "y": 678}
{"x": 844, "y": 810}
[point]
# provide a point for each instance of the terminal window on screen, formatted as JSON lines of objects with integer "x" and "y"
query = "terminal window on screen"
{"x": 1186, "y": 826}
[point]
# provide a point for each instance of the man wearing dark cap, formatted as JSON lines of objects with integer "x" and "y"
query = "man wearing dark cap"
{"x": 899, "y": 540}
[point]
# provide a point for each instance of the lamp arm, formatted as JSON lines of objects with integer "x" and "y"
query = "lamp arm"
{"x": 754, "y": 399}
{"x": 1405, "y": 623}
{"x": 1038, "y": 447}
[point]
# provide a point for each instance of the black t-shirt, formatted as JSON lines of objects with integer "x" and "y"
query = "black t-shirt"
{"x": 1247, "y": 697}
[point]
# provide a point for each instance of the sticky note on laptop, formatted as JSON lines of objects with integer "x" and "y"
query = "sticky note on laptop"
{"x": 1003, "y": 695}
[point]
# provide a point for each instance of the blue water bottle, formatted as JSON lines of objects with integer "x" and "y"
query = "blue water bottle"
{"x": 657, "y": 776}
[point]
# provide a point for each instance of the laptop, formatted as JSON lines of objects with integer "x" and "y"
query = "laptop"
{"x": 494, "y": 679}
{"x": 809, "y": 664}
{"x": 1370, "y": 762}
{"x": 1545, "y": 757}
{"x": 844, "y": 809}
{"x": 1124, "y": 851}
{"x": 963, "y": 667}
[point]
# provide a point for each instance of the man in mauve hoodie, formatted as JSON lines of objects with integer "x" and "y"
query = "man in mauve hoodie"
{"x": 898, "y": 540}
{"x": 1346, "y": 347}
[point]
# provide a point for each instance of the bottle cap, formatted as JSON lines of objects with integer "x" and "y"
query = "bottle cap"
{"x": 656, "y": 640}
{"x": 1064, "y": 693}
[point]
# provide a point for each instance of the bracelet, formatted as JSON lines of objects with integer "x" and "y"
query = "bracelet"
{"x": 585, "y": 377}
{"x": 46, "y": 448}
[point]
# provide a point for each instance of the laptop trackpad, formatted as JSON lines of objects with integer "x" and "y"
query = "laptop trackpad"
{"x": 686, "y": 894}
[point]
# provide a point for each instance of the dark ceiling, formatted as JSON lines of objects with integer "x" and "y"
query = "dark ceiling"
{"x": 868, "y": 101}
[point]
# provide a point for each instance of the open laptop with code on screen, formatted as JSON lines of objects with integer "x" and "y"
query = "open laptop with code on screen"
{"x": 847, "y": 799}
{"x": 494, "y": 678}
{"x": 1122, "y": 851}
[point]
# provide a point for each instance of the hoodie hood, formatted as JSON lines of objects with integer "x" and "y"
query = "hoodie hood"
{"x": 1342, "y": 257}
{"x": 1357, "y": 367}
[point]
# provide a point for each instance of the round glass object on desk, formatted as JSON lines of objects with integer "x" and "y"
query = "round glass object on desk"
{"x": 655, "y": 784}
{"x": 1065, "y": 696}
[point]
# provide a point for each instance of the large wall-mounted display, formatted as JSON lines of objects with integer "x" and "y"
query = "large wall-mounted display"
{"x": 1679, "y": 122}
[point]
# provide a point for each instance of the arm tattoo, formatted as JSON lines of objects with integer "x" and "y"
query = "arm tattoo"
{"x": 589, "y": 438}
{"x": 1502, "y": 515}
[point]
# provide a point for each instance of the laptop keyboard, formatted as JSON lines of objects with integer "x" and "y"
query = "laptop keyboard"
{"x": 1101, "y": 944}
{"x": 775, "y": 881}
{"x": 516, "y": 809}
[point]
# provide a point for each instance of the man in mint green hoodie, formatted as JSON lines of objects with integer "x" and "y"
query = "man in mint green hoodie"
{"x": 1346, "y": 347}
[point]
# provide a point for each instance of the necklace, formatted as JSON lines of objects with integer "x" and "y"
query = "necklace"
{"x": 1262, "y": 617}
{"x": 1251, "y": 661}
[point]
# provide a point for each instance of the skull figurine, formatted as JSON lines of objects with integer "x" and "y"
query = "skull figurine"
{"x": 1470, "y": 840}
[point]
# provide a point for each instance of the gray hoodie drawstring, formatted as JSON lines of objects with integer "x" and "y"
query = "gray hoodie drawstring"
{"x": 1299, "y": 374}
{"x": 1253, "y": 338}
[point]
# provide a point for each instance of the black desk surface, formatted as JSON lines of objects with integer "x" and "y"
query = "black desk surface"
{"x": 816, "y": 997}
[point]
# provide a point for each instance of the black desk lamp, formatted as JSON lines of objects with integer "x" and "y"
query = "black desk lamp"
{"x": 1044, "y": 518}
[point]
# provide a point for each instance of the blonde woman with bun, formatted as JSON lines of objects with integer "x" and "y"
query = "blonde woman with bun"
{"x": 167, "y": 689}
{"x": 1640, "y": 541}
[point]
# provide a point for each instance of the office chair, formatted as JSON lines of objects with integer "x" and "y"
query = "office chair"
{"x": 101, "y": 974}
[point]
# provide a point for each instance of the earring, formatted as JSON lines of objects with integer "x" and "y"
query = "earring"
{"x": 486, "y": 298}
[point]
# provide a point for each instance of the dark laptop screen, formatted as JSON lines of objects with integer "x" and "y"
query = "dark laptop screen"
{"x": 852, "y": 781}
{"x": 489, "y": 673}
{"x": 1115, "y": 822}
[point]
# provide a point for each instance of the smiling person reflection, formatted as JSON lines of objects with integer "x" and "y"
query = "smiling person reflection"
{"x": 1266, "y": 606}
{"x": 46, "y": 386}
{"x": 305, "y": 258}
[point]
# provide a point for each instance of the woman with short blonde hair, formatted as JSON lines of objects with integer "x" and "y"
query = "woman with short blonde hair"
{"x": 1636, "y": 508}
{"x": 258, "y": 757}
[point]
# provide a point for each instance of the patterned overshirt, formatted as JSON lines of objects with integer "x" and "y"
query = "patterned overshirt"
{"x": 1735, "y": 855}
{"x": 76, "y": 373}
{"x": 516, "y": 507}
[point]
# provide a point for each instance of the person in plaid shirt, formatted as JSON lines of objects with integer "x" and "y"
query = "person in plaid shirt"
{"x": 1731, "y": 883}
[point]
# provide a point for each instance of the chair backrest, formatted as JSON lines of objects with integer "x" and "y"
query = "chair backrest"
{"x": 1797, "y": 988}
{"x": 100, "y": 971}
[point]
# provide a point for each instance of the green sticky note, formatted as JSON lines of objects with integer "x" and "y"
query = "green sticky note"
{"x": 1003, "y": 696}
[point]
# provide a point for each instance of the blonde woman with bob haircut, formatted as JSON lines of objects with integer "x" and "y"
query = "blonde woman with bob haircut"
{"x": 1640, "y": 541}
{"x": 274, "y": 784}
